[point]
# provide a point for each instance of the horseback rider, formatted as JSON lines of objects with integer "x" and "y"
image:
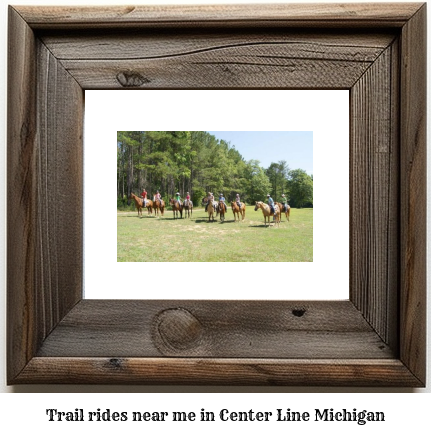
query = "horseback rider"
{"x": 284, "y": 202}
{"x": 187, "y": 200}
{"x": 144, "y": 197}
{"x": 178, "y": 198}
{"x": 222, "y": 201}
{"x": 209, "y": 198}
{"x": 238, "y": 201}
{"x": 158, "y": 197}
{"x": 271, "y": 204}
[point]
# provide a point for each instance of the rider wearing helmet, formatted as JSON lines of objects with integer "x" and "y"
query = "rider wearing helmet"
{"x": 210, "y": 197}
{"x": 222, "y": 201}
{"x": 271, "y": 204}
{"x": 284, "y": 202}
{"x": 238, "y": 201}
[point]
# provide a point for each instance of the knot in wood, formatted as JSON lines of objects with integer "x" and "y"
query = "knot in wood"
{"x": 178, "y": 329}
{"x": 298, "y": 312}
{"x": 131, "y": 79}
{"x": 115, "y": 363}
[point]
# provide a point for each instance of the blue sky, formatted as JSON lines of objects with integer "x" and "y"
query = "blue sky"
{"x": 296, "y": 148}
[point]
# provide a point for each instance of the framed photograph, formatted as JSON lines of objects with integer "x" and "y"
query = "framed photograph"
{"x": 376, "y": 337}
{"x": 221, "y": 259}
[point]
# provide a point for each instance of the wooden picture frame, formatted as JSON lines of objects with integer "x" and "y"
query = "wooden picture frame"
{"x": 376, "y": 338}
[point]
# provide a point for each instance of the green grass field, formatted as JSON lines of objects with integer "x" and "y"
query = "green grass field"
{"x": 151, "y": 239}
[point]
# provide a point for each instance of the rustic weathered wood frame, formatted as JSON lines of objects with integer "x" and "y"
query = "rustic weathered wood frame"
{"x": 376, "y": 338}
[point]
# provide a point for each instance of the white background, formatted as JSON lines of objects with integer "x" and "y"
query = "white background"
{"x": 404, "y": 410}
{"x": 324, "y": 112}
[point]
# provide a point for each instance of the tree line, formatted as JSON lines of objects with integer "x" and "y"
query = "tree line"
{"x": 198, "y": 162}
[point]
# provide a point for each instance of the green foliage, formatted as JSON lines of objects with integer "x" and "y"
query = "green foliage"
{"x": 259, "y": 185}
{"x": 301, "y": 189}
{"x": 122, "y": 204}
{"x": 198, "y": 194}
{"x": 278, "y": 174}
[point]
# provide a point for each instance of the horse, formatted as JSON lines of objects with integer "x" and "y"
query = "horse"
{"x": 176, "y": 208}
{"x": 267, "y": 212}
{"x": 139, "y": 203}
{"x": 236, "y": 209}
{"x": 149, "y": 206}
{"x": 188, "y": 208}
{"x": 205, "y": 201}
{"x": 159, "y": 206}
{"x": 286, "y": 211}
{"x": 222, "y": 209}
{"x": 212, "y": 208}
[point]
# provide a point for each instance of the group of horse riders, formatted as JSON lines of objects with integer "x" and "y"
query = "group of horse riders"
{"x": 178, "y": 198}
{"x": 144, "y": 197}
{"x": 158, "y": 197}
{"x": 283, "y": 203}
{"x": 222, "y": 200}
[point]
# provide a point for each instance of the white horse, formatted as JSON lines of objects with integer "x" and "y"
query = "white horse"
{"x": 188, "y": 208}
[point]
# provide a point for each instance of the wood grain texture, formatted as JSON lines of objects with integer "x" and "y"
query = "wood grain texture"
{"x": 59, "y": 182}
{"x": 373, "y": 194}
{"x": 45, "y": 106}
{"x": 192, "y": 59}
{"x": 230, "y": 69}
{"x": 413, "y": 194}
{"x": 141, "y": 44}
{"x": 197, "y": 371}
{"x": 283, "y": 63}
{"x": 21, "y": 179}
{"x": 377, "y": 338}
{"x": 300, "y": 14}
{"x": 240, "y": 329}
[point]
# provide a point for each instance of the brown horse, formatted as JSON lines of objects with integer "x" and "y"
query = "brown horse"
{"x": 212, "y": 208}
{"x": 188, "y": 208}
{"x": 205, "y": 201}
{"x": 176, "y": 208}
{"x": 236, "y": 210}
{"x": 286, "y": 210}
{"x": 267, "y": 212}
{"x": 159, "y": 206}
{"x": 222, "y": 209}
{"x": 139, "y": 203}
